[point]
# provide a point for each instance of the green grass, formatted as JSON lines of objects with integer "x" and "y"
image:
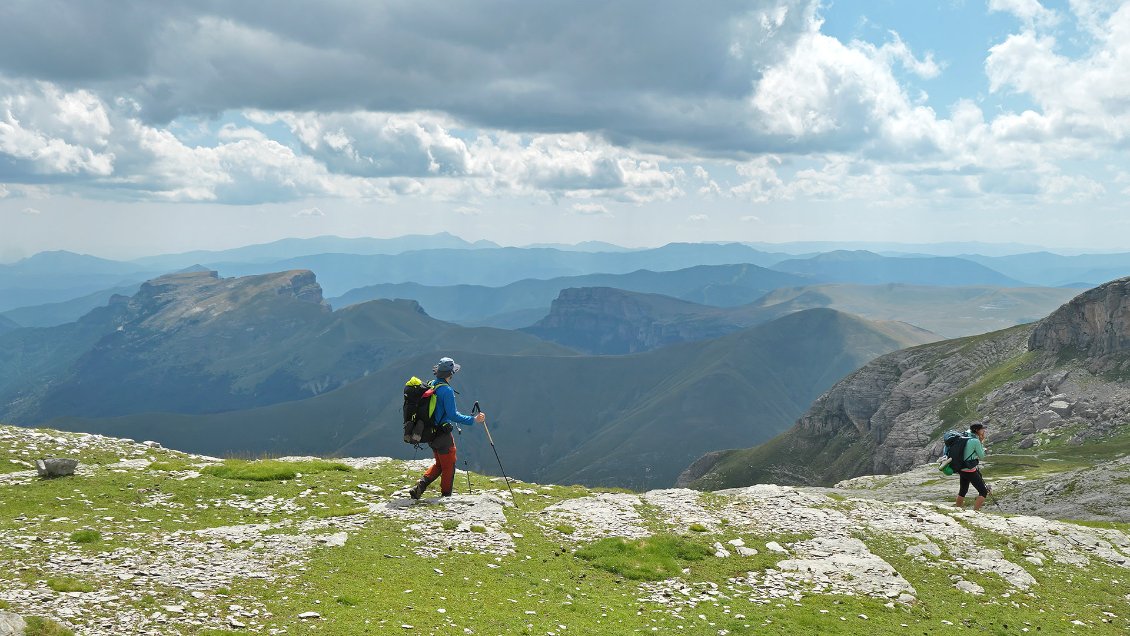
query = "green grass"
{"x": 39, "y": 626}
{"x": 698, "y": 527}
{"x": 450, "y": 524}
{"x": 269, "y": 469}
{"x": 564, "y": 528}
{"x": 651, "y": 559}
{"x": 68, "y": 584}
{"x": 86, "y": 536}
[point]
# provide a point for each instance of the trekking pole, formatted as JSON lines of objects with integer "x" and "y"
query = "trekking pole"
{"x": 466, "y": 471}
{"x": 994, "y": 500}
{"x": 492, "y": 446}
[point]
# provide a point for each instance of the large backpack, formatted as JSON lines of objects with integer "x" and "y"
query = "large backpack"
{"x": 419, "y": 409}
{"x": 955, "y": 442}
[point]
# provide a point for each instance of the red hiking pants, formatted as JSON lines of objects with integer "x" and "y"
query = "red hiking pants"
{"x": 444, "y": 465}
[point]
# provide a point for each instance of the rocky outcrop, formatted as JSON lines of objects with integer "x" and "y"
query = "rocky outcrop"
{"x": 1094, "y": 325}
{"x": 604, "y": 320}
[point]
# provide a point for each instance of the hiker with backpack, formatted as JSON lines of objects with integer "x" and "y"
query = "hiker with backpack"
{"x": 441, "y": 414}
{"x": 965, "y": 452}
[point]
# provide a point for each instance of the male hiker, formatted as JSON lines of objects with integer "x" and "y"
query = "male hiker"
{"x": 443, "y": 446}
{"x": 970, "y": 473}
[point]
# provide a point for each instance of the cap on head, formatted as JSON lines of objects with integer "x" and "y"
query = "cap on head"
{"x": 446, "y": 368}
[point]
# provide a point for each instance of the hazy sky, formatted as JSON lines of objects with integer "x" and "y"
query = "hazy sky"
{"x": 133, "y": 128}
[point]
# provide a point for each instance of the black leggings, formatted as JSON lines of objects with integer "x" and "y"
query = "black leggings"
{"x": 975, "y": 479}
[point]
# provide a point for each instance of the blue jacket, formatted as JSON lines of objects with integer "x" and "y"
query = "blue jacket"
{"x": 445, "y": 406}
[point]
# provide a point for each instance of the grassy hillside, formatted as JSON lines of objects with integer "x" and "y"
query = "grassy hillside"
{"x": 629, "y": 420}
{"x": 152, "y": 540}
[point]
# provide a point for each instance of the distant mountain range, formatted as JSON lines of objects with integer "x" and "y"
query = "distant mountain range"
{"x": 295, "y": 247}
{"x": 50, "y": 277}
{"x": 614, "y": 420}
{"x": 340, "y": 273}
{"x": 949, "y": 311}
{"x": 602, "y": 320}
{"x": 72, "y": 283}
{"x": 720, "y": 285}
{"x": 1055, "y": 270}
{"x": 196, "y": 343}
{"x": 868, "y": 268}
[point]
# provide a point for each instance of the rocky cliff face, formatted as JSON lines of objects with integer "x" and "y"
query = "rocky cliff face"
{"x": 1035, "y": 386}
{"x": 1094, "y": 325}
{"x": 197, "y": 297}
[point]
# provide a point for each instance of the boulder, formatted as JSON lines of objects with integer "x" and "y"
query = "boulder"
{"x": 12, "y": 624}
{"x": 1047, "y": 419}
{"x": 1061, "y": 407}
{"x": 56, "y": 466}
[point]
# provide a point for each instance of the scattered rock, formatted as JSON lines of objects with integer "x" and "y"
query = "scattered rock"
{"x": 11, "y": 624}
{"x": 49, "y": 467}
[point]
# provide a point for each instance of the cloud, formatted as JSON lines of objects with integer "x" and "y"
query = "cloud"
{"x": 1030, "y": 12}
{"x": 468, "y": 210}
{"x": 30, "y": 212}
{"x": 590, "y": 209}
{"x": 308, "y": 212}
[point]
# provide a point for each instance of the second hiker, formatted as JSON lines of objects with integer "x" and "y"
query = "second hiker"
{"x": 970, "y": 472}
{"x": 443, "y": 446}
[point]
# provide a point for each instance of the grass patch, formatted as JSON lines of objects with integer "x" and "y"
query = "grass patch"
{"x": 479, "y": 529}
{"x": 564, "y": 528}
{"x": 5, "y": 605}
{"x": 450, "y": 524}
{"x": 651, "y": 559}
{"x": 68, "y": 584}
{"x": 86, "y": 536}
{"x": 698, "y": 527}
{"x": 269, "y": 469}
{"x": 39, "y": 626}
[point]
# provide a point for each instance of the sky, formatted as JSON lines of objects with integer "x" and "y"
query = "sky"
{"x": 132, "y": 128}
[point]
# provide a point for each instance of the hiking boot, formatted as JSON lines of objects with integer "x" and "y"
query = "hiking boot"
{"x": 418, "y": 490}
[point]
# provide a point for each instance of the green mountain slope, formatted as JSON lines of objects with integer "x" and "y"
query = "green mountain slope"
{"x": 629, "y": 420}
